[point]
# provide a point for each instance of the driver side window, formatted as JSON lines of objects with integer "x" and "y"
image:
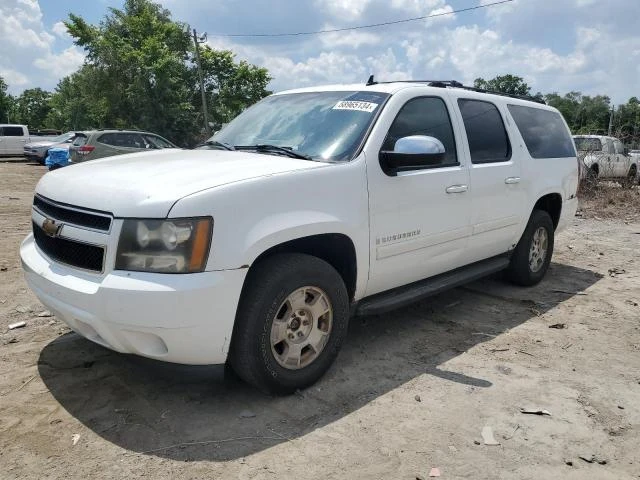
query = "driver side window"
{"x": 424, "y": 116}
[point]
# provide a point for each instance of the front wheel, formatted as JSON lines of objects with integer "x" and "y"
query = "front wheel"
{"x": 532, "y": 256}
{"x": 291, "y": 322}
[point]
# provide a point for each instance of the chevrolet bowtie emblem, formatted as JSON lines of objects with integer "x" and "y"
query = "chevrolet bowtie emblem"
{"x": 51, "y": 228}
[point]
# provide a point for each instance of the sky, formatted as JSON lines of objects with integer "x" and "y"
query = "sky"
{"x": 589, "y": 46}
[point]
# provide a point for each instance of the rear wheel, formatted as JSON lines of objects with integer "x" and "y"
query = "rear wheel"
{"x": 291, "y": 323}
{"x": 532, "y": 256}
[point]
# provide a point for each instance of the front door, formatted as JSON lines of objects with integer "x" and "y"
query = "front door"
{"x": 419, "y": 219}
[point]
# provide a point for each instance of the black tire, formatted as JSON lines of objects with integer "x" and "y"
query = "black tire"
{"x": 520, "y": 271}
{"x": 55, "y": 166}
{"x": 268, "y": 285}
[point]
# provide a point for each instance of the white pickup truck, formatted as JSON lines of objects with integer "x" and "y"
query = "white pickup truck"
{"x": 312, "y": 206}
{"x": 13, "y": 139}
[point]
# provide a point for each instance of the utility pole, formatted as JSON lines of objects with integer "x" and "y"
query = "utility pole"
{"x": 611, "y": 121}
{"x": 197, "y": 41}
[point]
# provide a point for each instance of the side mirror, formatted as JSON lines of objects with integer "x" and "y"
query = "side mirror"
{"x": 412, "y": 153}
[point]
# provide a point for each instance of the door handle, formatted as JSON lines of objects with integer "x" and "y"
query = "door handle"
{"x": 457, "y": 189}
{"x": 512, "y": 180}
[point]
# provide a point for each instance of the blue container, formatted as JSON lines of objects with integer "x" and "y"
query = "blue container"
{"x": 56, "y": 158}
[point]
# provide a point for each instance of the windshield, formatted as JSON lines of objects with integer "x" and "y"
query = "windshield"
{"x": 588, "y": 144}
{"x": 63, "y": 138}
{"x": 327, "y": 126}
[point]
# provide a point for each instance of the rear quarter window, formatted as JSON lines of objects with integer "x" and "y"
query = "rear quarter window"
{"x": 544, "y": 132}
{"x": 79, "y": 141}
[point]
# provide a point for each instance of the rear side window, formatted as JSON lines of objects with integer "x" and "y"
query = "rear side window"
{"x": 79, "y": 141}
{"x": 126, "y": 140}
{"x": 544, "y": 132}
{"x": 12, "y": 132}
{"x": 488, "y": 141}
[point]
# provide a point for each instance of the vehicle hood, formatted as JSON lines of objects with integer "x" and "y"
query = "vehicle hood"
{"x": 147, "y": 184}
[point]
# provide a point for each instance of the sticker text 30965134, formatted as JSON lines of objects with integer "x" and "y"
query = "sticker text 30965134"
{"x": 355, "y": 105}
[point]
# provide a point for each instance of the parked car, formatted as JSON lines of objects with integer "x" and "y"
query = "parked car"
{"x": 605, "y": 157}
{"x": 311, "y": 206}
{"x": 13, "y": 138}
{"x": 106, "y": 143}
{"x": 37, "y": 150}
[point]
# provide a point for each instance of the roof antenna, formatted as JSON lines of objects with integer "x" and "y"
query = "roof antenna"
{"x": 371, "y": 81}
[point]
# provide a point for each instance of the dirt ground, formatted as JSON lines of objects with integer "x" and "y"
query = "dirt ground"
{"x": 411, "y": 390}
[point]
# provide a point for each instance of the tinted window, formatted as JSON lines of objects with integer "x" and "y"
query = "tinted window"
{"x": 424, "y": 116}
{"x": 618, "y": 146}
{"x": 79, "y": 141}
{"x": 123, "y": 140}
{"x": 12, "y": 132}
{"x": 544, "y": 132}
{"x": 488, "y": 141}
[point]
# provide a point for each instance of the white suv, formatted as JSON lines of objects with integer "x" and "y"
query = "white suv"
{"x": 312, "y": 206}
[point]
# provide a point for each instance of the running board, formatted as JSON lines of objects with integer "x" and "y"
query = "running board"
{"x": 408, "y": 294}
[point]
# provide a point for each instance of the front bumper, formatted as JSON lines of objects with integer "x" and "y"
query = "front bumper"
{"x": 175, "y": 318}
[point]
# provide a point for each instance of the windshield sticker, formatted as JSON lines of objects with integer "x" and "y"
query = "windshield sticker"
{"x": 355, "y": 105}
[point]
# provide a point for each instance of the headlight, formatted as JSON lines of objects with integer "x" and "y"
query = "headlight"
{"x": 179, "y": 245}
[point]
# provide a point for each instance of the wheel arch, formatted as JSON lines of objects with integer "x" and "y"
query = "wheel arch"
{"x": 552, "y": 204}
{"x": 337, "y": 249}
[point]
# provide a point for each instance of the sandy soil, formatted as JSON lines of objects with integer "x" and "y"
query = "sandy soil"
{"x": 411, "y": 390}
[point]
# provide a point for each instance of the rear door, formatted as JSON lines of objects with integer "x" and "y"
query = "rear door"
{"x": 622, "y": 161}
{"x": 497, "y": 191}
{"x": 13, "y": 139}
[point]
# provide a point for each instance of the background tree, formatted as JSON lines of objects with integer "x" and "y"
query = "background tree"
{"x": 32, "y": 108}
{"x": 230, "y": 87}
{"x": 511, "y": 84}
{"x": 143, "y": 75}
{"x": 6, "y": 102}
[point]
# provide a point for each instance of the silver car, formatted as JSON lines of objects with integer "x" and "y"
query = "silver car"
{"x": 37, "y": 151}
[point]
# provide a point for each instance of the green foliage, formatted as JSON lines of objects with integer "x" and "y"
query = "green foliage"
{"x": 32, "y": 107}
{"x": 510, "y": 84}
{"x": 583, "y": 113}
{"x": 141, "y": 73}
{"x": 6, "y": 102}
{"x": 230, "y": 87}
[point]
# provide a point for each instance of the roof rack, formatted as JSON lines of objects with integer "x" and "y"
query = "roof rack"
{"x": 456, "y": 84}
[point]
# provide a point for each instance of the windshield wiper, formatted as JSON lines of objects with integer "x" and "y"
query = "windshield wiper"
{"x": 215, "y": 143}
{"x": 288, "y": 151}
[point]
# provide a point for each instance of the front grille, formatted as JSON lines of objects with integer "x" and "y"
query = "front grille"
{"x": 97, "y": 221}
{"x": 70, "y": 252}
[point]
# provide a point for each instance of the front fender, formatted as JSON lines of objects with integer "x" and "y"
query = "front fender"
{"x": 284, "y": 227}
